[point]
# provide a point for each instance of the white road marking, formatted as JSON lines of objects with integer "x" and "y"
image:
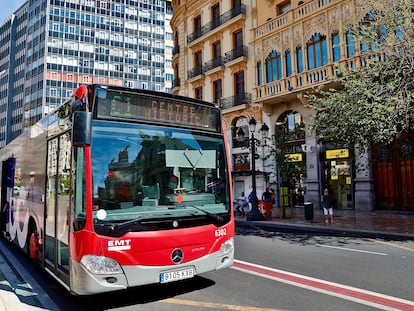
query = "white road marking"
{"x": 352, "y": 250}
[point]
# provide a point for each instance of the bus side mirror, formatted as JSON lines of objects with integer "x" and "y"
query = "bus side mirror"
{"x": 81, "y": 129}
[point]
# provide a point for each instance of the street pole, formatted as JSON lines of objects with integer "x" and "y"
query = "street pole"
{"x": 254, "y": 214}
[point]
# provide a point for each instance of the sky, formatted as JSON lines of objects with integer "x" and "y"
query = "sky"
{"x": 7, "y": 7}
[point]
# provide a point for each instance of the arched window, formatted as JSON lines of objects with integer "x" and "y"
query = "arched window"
{"x": 273, "y": 67}
{"x": 350, "y": 44}
{"x": 317, "y": 52}
{"x": 299, "y": 59}
{"x": 336, "y": 51}
{"x": 288, "y": 63}
{"x": 365, "y": 26}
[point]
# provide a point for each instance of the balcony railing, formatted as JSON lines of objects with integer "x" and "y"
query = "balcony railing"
{"x": 240, "y": 144}
{"x": 196, "y": 71}
{"x": 236, "y": 53}
{"x": 225, "y": 17}
{"x": 296, "y": 82}
{"x": 239, "y": 99}
{"x": 176, "y": 83}
{"x": 288, "y": 17}
{"x": 214, "y": 63}
{"x": 176, "y": 50}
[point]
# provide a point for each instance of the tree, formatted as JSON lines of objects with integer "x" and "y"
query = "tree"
{"x": 372, "y": 104}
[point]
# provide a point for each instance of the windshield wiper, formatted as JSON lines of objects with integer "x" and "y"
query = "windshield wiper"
{"x": 125, "y": 224}
{"x": 211, "y": 215}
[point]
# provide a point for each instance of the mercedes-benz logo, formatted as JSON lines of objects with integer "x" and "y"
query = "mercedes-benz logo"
{"x": 177, "y": 256}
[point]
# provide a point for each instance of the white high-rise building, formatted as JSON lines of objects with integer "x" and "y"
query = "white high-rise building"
{"x": 50, "y": 47}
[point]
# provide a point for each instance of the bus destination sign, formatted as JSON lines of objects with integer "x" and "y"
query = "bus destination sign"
{"x": 113, "y": 104}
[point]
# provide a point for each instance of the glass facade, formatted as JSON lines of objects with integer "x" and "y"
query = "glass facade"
{"x": 71, "y": 42}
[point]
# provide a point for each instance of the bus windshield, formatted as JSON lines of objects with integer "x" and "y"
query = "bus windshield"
{"x": 147, "y": 176}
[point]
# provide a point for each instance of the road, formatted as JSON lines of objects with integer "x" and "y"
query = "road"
{"x": 272, "y": 271}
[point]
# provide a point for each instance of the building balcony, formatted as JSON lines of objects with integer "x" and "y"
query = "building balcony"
{"x": 215, "y": 23}
{"x": 176, "y": 50}
{"x": 176, "y": 83}
{"x": 291, "y": 16}
{"x": 196, "y": 71}
{"x": 296, "y": 82}
{"x": 239, "y": 99}
{"x": 240, "y": 51}
{"x": 214, "y": 63}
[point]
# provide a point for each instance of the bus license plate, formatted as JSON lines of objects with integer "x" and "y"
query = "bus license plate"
{"x": 176, "y": 275}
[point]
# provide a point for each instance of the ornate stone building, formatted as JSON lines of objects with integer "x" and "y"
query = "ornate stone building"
{"x": 259, "y": 59}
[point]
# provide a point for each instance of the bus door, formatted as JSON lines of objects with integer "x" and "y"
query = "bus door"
{"x": 57, "y": 207}
{"x": 7, "y": 182}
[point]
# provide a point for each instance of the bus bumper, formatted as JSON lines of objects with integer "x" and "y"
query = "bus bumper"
{"x": 83, "y": 282}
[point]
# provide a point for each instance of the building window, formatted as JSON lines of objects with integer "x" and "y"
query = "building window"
{"x": 239, "y": 83}
{"x": 198, "y": 59}
{"x": 199, "y": 93}
{"x": 235, "y": 3}
{"x": 216, "y": 49}
{"x": 288, "y": 63}
{"x": 217, "y": 89}
{"x": 259, "y": 73}
{"x": 364, "y": 24}
{"x": 238, "y": 38}
{"x": 273, "y": 67}
{"x": 240, "y": 134}
{"x": 299, "y": 59}
{"x": 215, "y": 14}
{"x": 336, "y": 51}
{"x": 197, "y": 24}
{"x": 350, "y": 44}
{"x": 317, "y": 52}
{"x": 283, "y": 8}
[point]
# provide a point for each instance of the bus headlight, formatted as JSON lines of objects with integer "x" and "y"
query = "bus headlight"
{"x": 101, "y": 264}
{"x": 227, "y": 247}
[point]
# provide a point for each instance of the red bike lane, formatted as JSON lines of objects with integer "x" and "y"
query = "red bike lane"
{"x": 362, "y": 296}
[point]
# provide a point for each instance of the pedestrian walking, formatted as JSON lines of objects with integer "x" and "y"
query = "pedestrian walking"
{"x": 326, "y": 200}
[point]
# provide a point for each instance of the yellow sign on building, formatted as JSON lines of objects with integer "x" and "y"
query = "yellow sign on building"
{"x": 294, "y": 157}
{"x": 337, "y": 153}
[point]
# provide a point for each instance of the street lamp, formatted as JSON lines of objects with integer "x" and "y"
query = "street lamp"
{"x": 254, "y": 214}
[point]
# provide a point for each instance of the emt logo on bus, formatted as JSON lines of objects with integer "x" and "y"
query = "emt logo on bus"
{"x": 119, "y": 245}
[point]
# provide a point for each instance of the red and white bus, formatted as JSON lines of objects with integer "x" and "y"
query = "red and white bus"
{"x": 121, "y": 187}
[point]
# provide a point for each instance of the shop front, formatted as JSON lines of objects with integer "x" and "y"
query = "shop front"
{"x": 336, "y": 175}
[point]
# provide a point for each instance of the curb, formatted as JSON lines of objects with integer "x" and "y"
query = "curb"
{"x": 309, "y": 229}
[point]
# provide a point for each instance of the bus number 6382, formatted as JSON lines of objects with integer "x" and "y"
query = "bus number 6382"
{"x": 220, "y": 232}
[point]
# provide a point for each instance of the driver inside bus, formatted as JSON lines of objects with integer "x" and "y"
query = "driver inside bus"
{"x": 173, "y": 182}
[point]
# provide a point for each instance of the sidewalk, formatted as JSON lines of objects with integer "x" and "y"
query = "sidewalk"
{"x": 376, "y": 224}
